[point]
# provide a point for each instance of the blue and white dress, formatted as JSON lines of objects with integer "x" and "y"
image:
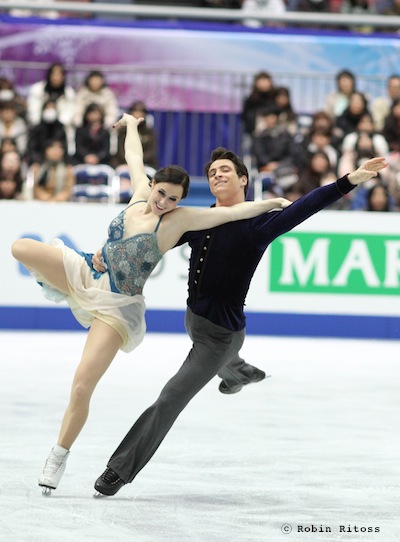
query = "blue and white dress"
{"x": 115, "y": 296}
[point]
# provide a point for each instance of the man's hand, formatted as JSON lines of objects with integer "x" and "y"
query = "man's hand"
{"x": 98, "y": 262}
{"x": 367, "y": 170}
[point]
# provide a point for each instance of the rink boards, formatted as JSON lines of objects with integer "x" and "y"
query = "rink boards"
{"x": 337, "y": 274}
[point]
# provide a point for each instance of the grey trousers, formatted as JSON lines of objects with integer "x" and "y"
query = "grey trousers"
{"x": 213, "y": 347}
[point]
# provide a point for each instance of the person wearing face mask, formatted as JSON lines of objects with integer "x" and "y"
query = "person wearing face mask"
{"x": 9, "y": 94}
{"x": 12, "y": 125}
{"x": 111, "y": 302}
{"x": 49, "y": 128}
{"x": 54, "y": 87}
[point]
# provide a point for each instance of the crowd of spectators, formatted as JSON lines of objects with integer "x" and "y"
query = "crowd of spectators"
{"x": 291, "y": 157}
{"x": 58, "y": 127}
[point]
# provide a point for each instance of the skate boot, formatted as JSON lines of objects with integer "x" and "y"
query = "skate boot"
{"x": 108, "y": 483}
{"x": 53, "y": 469}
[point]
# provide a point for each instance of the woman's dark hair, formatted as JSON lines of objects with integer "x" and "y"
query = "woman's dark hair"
{"x": 89, "y": 109}
{"x": 345, "y": 73}
{"x": 174, "y": 175}
{"x": 54, "y": 92}
{"x": 220, "y": 153}
{"x": 138, "y": 106}
{"x": 370, "y": 194}
{"x": 95, "y": 73}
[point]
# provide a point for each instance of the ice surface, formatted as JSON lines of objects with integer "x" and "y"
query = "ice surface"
{"x": 316, "y": 444}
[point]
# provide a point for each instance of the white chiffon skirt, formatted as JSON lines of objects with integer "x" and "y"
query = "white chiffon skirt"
{"x": 91, "y": 298}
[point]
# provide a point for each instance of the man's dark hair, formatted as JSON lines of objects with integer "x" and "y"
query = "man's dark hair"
{"x": 220, "y": 153}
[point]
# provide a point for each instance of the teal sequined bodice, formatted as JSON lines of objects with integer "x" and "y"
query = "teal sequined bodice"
{"x": 130, "y": 261}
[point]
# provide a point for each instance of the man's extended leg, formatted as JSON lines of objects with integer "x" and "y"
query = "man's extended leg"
{"x": 236, "y": 374}
{"x": 213, "y": 346}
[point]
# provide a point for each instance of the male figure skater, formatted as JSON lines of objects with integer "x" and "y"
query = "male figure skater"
{"x": 222, "y": 263}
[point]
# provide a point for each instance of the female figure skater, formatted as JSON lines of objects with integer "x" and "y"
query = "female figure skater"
{"x": 111, "y": 303}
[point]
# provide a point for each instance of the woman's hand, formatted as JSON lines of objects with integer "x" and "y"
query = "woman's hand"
{"x": 281, "y": 203}
{"x": 123, "y": 121}
{"x": 98, "y": 262}
{"x": 367, "y": 170}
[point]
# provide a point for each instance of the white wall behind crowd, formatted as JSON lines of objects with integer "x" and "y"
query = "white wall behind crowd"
{"x": 338, "y": 274}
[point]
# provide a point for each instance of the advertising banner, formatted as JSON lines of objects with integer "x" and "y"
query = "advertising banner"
{"x": 336, "y": 273}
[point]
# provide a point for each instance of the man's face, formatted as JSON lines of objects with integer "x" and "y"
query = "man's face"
{"x": 394, "y": 88}
{"x": 223, "y": 179}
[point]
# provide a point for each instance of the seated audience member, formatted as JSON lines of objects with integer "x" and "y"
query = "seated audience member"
{"x": 262, "y": 7}
{"x": 49, "y": 128}
{"x": 9, "y": 94}
{"x": 272, "y": 146}
{"x": 358, "y": 7}
{"x": 363, "y": 149}
{"x": 53, "y": 177}
{"x": 92, "y": 138}
{"x": 378, "y": 199}
{"x": 365, "y": 124}
{"x": 391, "y": 127}
{"x": 96, "y": 91}
{"x": 13, "y": 126}
{"x": 360, "y": 200}
{"x": 262, "y": 95}
{"x": 380, "y": 107}
{"x": 11, "y": 175}
{"x": 321, "y": 120}
{"x": 337, "y": 101}
{"x": 319, "y": 172}
{"x": 358, "y": 106}
{"x": 54, "y": 88}
{"x": 147, "y": 136}
{"x": 7, "y": 144}
{"x": 391, "y": 178}
{"x": 319, "y": 139}
{"x": 287, "y": 117}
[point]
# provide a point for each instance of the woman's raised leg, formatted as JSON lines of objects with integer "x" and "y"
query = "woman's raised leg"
{"x": 45, "y": 259}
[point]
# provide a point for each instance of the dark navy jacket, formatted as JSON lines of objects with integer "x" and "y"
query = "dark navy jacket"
{"x": 224, "y": 259}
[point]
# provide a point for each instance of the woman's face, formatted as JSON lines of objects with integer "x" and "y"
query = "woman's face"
{"x": 378, "y": 201}
{"x": 282, "y": 99}
{"x": 319, "y": 163}
{"x": 164, "y": 197}
{"x": 356, "y": 103}
{"x": 8, "y": 188}
{"x": 10, "y": 161}
{"x": 95, "y": 83}
{"x": 346, "y": 84}
{"x": 55, "y": 152}
{"x": 57, "y": 77}
{"x": 263, "y": 84}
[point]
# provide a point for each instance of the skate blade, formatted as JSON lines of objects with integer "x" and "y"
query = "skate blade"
{"x": 98, "y": 495}
{"x": 46, "y": 491}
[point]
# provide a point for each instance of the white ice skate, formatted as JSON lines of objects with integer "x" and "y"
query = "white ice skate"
{"x": 53, "y": 470}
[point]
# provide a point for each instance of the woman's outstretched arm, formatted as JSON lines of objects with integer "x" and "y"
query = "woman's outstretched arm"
{"x": 193, "y": 219}
{"x": 134, "y": 156}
